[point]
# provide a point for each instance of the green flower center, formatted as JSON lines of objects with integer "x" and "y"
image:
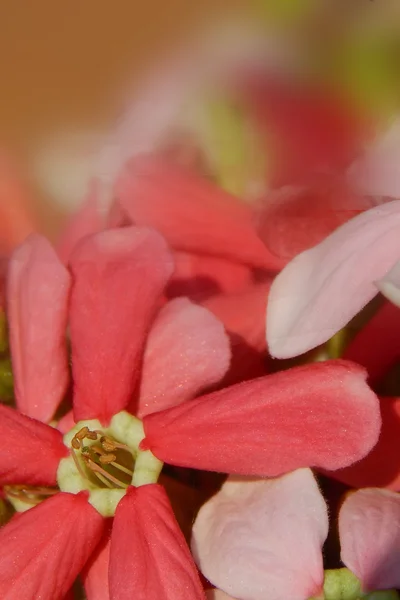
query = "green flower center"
{"x": 106, "y": 460}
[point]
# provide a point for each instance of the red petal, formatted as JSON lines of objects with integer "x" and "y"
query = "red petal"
{"x": 43, "y": 550}
{"x": 31, "y": 451}
{"x": 295, "y": 219}
{"x": 187, "y": 351}
{"x": 149, "y": 556}
{"x": 316, "y": 415}
{"x": 38, "y": 291}
{"x": 119, "y": 277}
{"x": 200, "y": 276}
{"x": 243, "y": 315}
{"x": 381, "y": 467}
{"x": 87, "y": 221}
{"x": 377, "y": 345}
{"x": 317, "y": 132}
{"x": 193, "y": 214}
{"x": 95, "y": 573}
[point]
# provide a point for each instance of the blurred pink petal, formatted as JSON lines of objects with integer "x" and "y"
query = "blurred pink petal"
{"x": 389, "y": 285}
{"x": 38, "y": 292}
{"x": 149, "y": 558}
{"x": 86, "y": 221}
{"x": 119, "y": 276}
{"x": 369, "y": 528}
{"x": 263, "y": 539}
{"x": 377, "y": 345}
{"x": 377, "y": 173}
{"x": 323, "y": 288}
{"x": 187, "y": 351}
{"x": 193, "y": 214}
{"x": 320, "y": 414}
{"x": 294, "y": 219}
{"x": 381, "y": 467}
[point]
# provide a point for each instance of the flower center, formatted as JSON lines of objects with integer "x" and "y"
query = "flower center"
{"x": 105, "y": 461}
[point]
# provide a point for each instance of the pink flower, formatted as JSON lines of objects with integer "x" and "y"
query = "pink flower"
{"x": 264, "y": 538}
{"x": 322, "y": 415}
{"x": 323, "y": 288}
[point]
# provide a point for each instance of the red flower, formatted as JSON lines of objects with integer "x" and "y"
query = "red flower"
{"x": 320, "y": 415}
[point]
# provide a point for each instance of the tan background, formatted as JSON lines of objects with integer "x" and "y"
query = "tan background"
{"x": 59, "y": 59}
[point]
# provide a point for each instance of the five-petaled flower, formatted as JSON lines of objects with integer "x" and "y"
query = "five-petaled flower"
{"x": 108, "y": 464}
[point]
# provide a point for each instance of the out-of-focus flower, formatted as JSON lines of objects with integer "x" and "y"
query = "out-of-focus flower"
{"x": 265, "y": 537}
{"x": 322, "y": 415}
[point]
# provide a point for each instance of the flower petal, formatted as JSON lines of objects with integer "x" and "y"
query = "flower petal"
{"x": 381, "y": 467}
{"x": 193, "y": 214}
{"x": 263, "y": 538}
{"x": 316, "y": 415}
{"x": 377, "y": 173}
{"x": 187, "y": 351}
{"x": 38, "y": 292}
{"x": 377, "y": 345}
{"x": 149, "y": 556}
{"x": 43, "y": 550}
{"x": 243, "y": 315}
{"x": 88, "y": 220}
{"x": 200, "y": 277}
{"x": 297, "y": 218}
{"x": 119, "y": 277}
{"x": 323, "y": 288}
{"x": 95, "y": 573}
{"x": 31, "y": 450}
{"x": 389, "y": 285}
{"x": 369, "y": 528}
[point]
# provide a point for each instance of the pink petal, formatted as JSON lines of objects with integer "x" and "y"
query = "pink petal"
{"x": 187, "y": 351}
{"x": 389, "y": 285}
{"x": 43, "y": 550}
{"x": 193, "y": 214}
{"x": 149, "y": 556}
{"x": 369, "y": 528}
{"x": 199, "y": 276}
{"x": 88, "y": 220}
{"x": 38, "y": 292}
{"x": 377, "y": 345}
{"x": 297, "y": 218}
{"x": 381, "y": 467}
{"x": 377, "y": 173}
{"x": 323, "y": 288}
{"x": 315, "y": 415}
{"x": 119, "y": 277}
{"x": 95, "y": 573}
{"x": 31, "y": 450}
{"x": 263, "y": 538}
